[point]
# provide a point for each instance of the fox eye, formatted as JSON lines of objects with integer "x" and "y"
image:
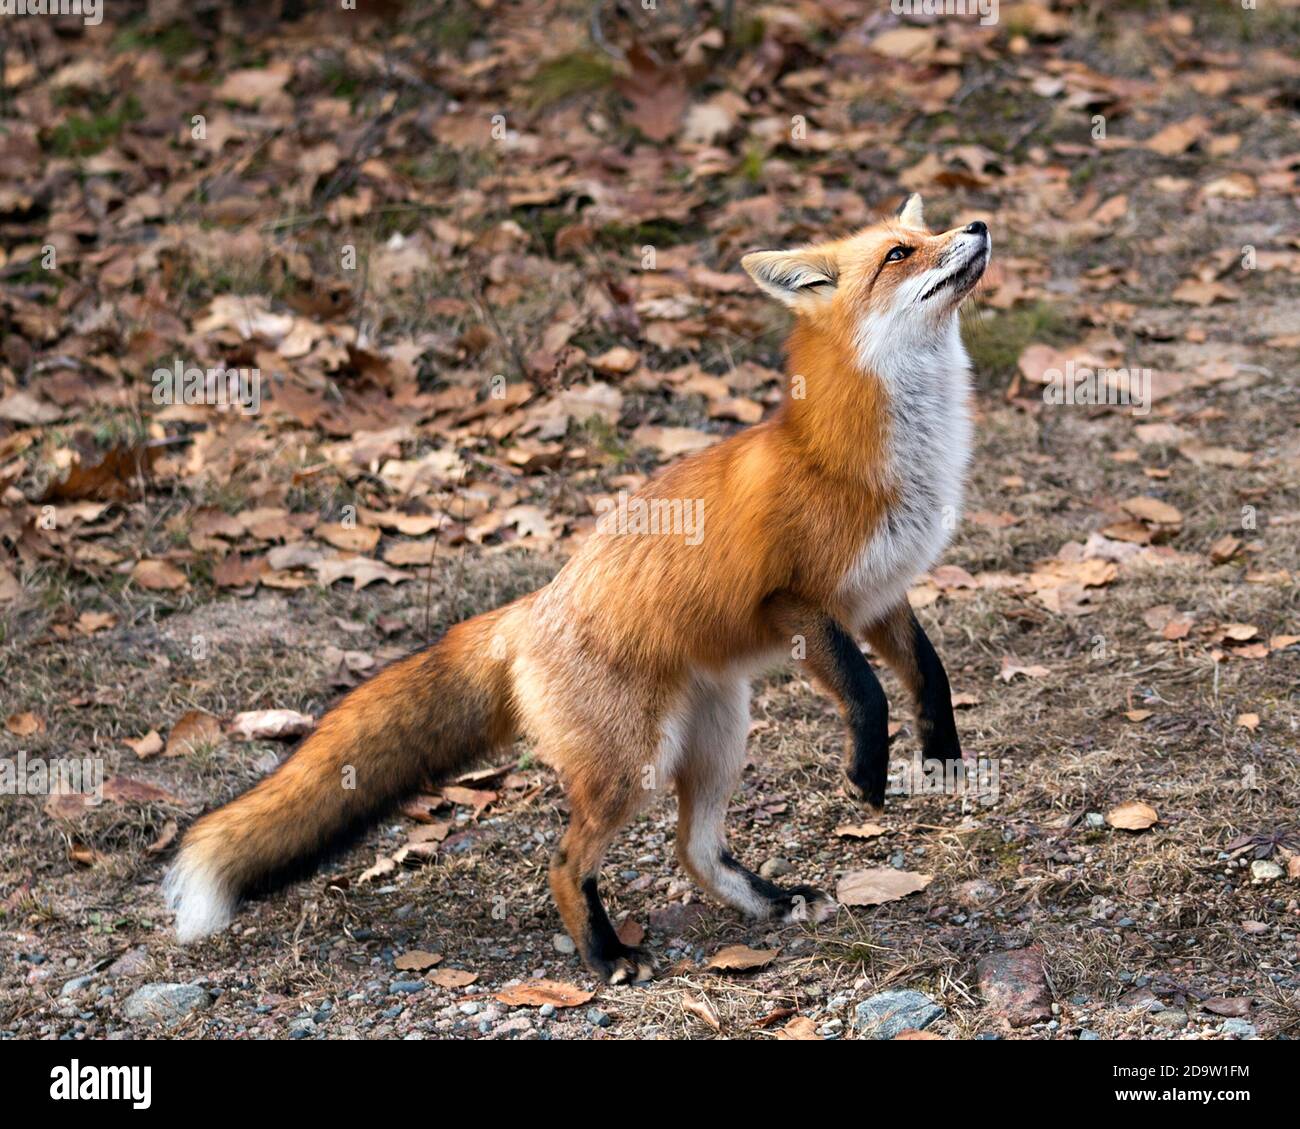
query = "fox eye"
{"x": 899, "y": 253}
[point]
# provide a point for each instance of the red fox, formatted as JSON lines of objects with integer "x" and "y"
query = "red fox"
{"x": 630, "y": 670}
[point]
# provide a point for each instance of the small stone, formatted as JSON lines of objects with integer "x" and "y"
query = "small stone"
{"x": 1239, "y": 1027}
{"x": 1095, "y": 820}
{"x": 563, "y": 943}
{"x": 1015, "y": 985}
{"x": 406, "y": 987}
{"x": 546, "y": 1011}
{"x": 165, "y": 1003}
{"x": 1172, "y": 1018}
{"x": 885, "y": 1014}
{"x": 75, "y": 985}
{"x": 1087, "y": 1036}
{"x": 1265, "y": 870}
{"x": 775, "y": 868}
{"x": 597, "y": 1018}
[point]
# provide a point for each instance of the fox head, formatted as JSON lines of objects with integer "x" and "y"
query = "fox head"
{"x": 893, "y": 283}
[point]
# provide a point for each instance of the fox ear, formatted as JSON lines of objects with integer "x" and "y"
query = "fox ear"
{"x": 912, "y": 214}
{"x": 793, "y": 277}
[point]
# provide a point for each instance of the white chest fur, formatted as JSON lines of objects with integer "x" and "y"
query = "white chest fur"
{"x": 929, "y": 451}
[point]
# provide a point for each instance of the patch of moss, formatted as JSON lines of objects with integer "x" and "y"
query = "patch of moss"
{"x": 568, "y": 76}
{"x": 81, "y": 135}
{"x": 996, "y": 340}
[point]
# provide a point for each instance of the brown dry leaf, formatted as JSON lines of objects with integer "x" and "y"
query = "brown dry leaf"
{"x": 1239, "y": 632}
{"x": 1138, "y": 715}
{"x": 10, "y": 589}
{"x": 672, "y": 441}
{"x": 417, "y": 960}
{"x": 741, "y": 958}
{"x": 618, "y": 361}
{"x": 1012, "y": 667}
{"x": 150, "y": 745}
{"x": 906, "y": 43}
{"x": 800, "y": 1028}
{"x": 1248, "y": 721}
{"x": 362, "y": 571}
{"x": 539, "y": 993}
{"x": 1178, "y": 137}
{"x": 658, "y": 95}
{"x": 1196, "y": 292}
{"x": 878, "y": 885}
{"x": 1153, "y": 510}
{"x": 911, "y": 1033}
{"x": 383, "y": 865}
{"x": 158, "y": 576}
{"x": 1132, "y": 816}
{"x": 859, "y": 830}
{"x": 270, "y": 725}
{"x": 453, "y": 978}
{"x": 112, "y": 478}
{"x": 1225, "y": 548}
{"x": 965, "y": 700}
{"x": 703, "y": 1010}
{"x": 352, "y": 538}
{"x": 90, "y": 622}
{"x": 194, "y": 729}
{"x": 24, "y": 724}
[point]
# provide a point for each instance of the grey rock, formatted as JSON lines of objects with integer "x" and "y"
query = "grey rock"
{"x": 1172, "y": 1018}
{"x": 165, "y": 1003}
{"x": 885, "y": 1014}
{"x": 775, "y": 868}
{"x": 1239, "y": 1027}
{"x": 597, "y": 1018}
{"x": 406, "y": 987}
{"x": 76, "y": 984}
{"x": 1088, "y": 1036}
{"x": 563, "y": 943}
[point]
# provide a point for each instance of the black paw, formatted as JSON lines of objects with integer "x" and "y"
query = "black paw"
{"x": 870, "y": 794}
{"x": 622, "y": 966}
{"x": 804, "y": 903}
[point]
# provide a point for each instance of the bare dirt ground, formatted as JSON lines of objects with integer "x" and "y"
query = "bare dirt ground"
{"x": 1106, "y": 652}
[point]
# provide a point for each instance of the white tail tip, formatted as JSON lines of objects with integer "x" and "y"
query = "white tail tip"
{"x": 203, "y": 902}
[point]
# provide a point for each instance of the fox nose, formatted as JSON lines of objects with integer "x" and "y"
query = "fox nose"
{"x": 978, "y": 227}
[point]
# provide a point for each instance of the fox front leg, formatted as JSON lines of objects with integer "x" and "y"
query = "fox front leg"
{"x": 901, "y": 641}
{"x": 834, "y": 658}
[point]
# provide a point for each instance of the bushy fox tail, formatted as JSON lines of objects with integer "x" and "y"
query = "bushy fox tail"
{"x": 419, "y": 720}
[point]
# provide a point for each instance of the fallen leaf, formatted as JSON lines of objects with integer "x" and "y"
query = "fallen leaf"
{"x": 150, "y": 745}
{"x": 538, "y": 993}
{"x": 801, "y": 1028}
{"x": 452, "y": 978}
{"x": 417, "y": 960}
{"x": 24, "y": 724}
{"x": 270, "y": 725}
{"x": 158, "y": 576}
{"x": 194, "y": 729}
{"x": 1011, "y": 668}
{"x": 703, "y": 1010}
{"x": 741, "y": 958}
{"x": 859, "y": 830}
{"x": 1132, "y": 816}
{"x": 878, "y": 885}
{"x": 1153, "y": 510}
{"x": 1248, "y": 721}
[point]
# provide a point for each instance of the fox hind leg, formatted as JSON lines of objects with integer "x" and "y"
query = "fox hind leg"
{"x": 599, "y": 807}
{"x": 707, "y": 772}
